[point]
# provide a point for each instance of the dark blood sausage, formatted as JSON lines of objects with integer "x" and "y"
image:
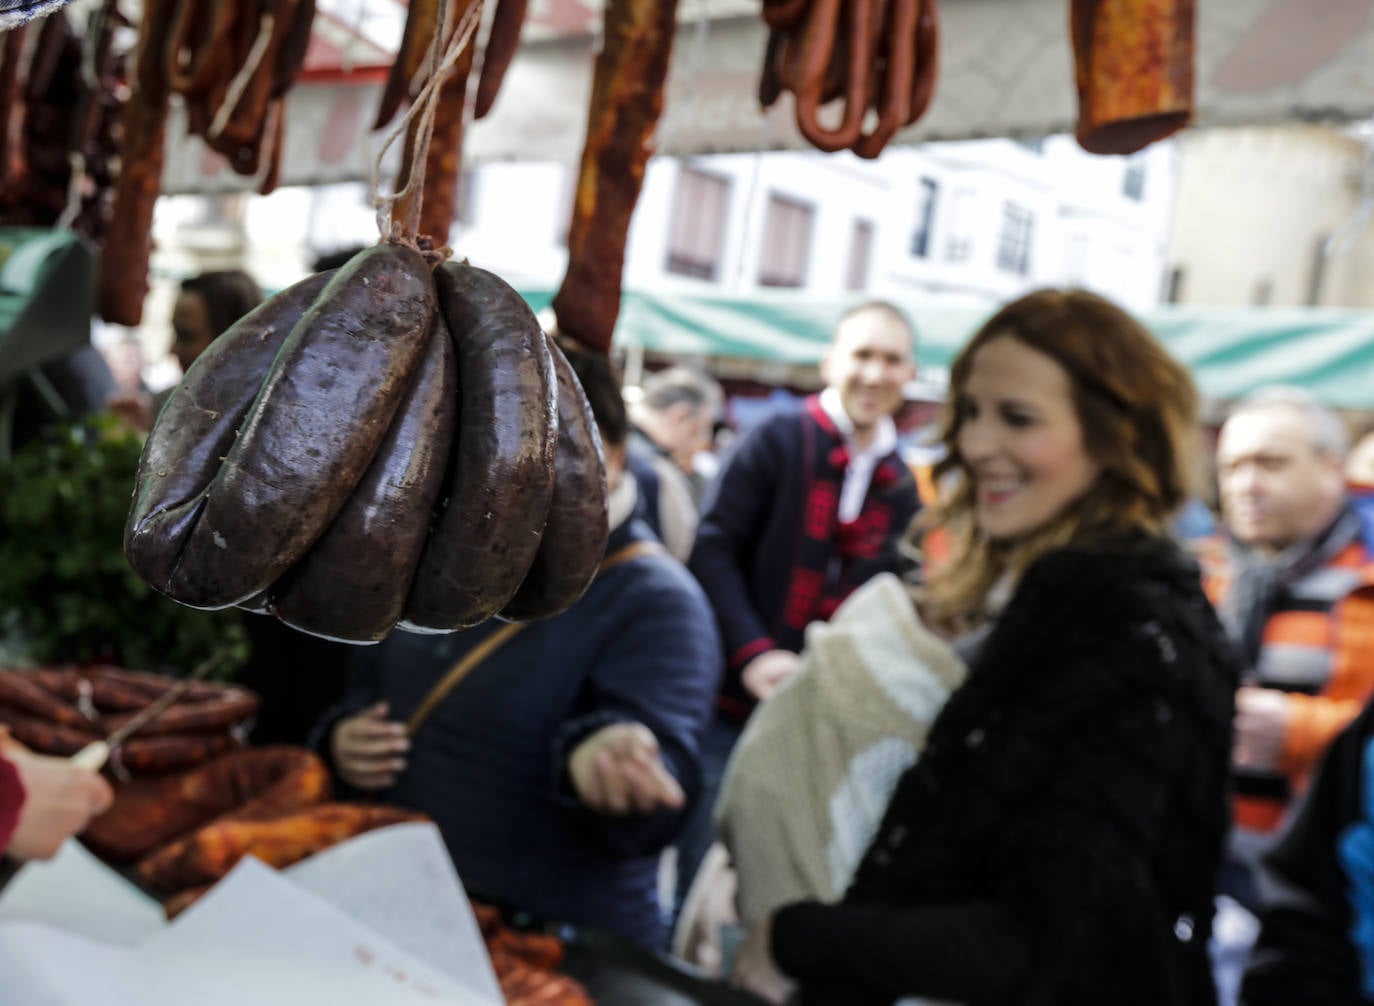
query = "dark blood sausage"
{"x": 326, "y": 404}
{"x": 575, "y": 535}
{"x": 330, "y": 593}
{"x": 197, "y": 427}
{"x": 502, "y": 469}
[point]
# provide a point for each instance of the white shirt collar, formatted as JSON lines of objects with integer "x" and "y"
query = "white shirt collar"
{"x": 858, "y": 474}
{"x": 620, "y": 503}
{"x": 884, "y": 434}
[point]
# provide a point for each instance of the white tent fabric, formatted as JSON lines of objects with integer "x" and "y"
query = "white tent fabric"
{"x": 1006, "y": 70}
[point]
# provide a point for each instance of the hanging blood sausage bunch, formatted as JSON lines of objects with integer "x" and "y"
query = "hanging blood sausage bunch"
{"x": 878, "y": 55}
{"x": 388, "y": 445}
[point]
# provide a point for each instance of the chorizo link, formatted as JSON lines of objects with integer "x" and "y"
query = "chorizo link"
{"x": 117, "y": 689}
{"x": 626, "y": 101}
{"x": 927, "y": 59}
{"x": 897, "y": 78}
{"x": 820, "y": 42}
{"x": 197, "y": 51}
{"x": 208, "y": 854}
{"x": 160, "y": 753}
{"x": 235, "y": 706}
{"x": 497, "y": 53}
{"x": 12, "y": 106}
{"x": 20, "y": 690}
{"x": 122, "y": 284}
{"x": 444, "y": 162}
{"x": 43, "y": 735}
{"x": 1133, "y": 63}
{"x": 252, "y": 783}
{"x": 422, "y": 22}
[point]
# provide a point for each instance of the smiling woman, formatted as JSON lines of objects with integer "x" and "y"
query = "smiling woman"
{"x": 1021, "y": 440}
{"x": 1070, "y": 423}
{"x": 1056, "y": 842}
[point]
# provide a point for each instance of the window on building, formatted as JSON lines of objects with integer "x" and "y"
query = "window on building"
{"x": 563, "y": 221}
{"x": 696, "y": 232}
{"x": 1076, "y": 260}
{"x": 1316, "y": 284}
{"x": 786, "y": 242}
{"x": 1173, "y": 293}
{"x": 1013, "y": 250}
{"x": 466, "y": 210}
{"x": 926, "y": 195}
{"x": 1133, "y": 183}
{"x": 860, "y": 253}
{"x": 959, "y": 244}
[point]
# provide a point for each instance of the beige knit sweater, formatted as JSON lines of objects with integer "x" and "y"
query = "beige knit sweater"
{"x": 809, "y": 782}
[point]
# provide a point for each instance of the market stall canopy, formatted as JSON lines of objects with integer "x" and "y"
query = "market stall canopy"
{"x": 1230, "y": 351}
{"x": 1006, "y": 70}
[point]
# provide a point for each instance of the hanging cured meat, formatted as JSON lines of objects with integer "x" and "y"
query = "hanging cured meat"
{"x": 231, "y": 63}
{"x": 1133, "y": 63}
{"x": 868, "y": 59}
{"x": 627, "y": 99}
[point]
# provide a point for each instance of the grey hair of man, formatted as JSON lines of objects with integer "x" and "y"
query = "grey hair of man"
{"x": 1330, "y": 438}
{"x": 682, "y": 385}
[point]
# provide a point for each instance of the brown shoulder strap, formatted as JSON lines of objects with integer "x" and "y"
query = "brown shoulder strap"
{"x": 631, "y": 551}
{"x": 501, "y": 636}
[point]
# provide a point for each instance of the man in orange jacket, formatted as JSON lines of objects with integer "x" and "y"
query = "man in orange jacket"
{"x": 1297, "y": 594}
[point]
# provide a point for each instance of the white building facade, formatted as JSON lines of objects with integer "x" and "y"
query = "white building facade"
{"x": 980, "y": 221}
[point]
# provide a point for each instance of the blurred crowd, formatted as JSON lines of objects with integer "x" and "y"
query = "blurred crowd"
{"x": 1047, "y": 683}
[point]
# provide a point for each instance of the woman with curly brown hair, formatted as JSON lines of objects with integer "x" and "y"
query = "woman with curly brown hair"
{"x": 1057, "y": 841}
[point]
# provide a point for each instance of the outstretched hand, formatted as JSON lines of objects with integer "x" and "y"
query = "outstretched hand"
{"x": 619, "y": 770}
{"x": 755, "y": 970}
{"x": 765, "y": 673}
{"x": 369, "y": 749}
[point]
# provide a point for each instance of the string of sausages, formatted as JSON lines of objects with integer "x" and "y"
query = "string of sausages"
{"x": 60, "y": 94}
{"x": 411, "y": 76}
{"x": 232, "y": 62}
{"x": 878, "y": 56}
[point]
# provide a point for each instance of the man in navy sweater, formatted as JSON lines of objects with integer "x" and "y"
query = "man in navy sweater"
{"x": 809, "y": 505}
{"x": 565, "y": 762}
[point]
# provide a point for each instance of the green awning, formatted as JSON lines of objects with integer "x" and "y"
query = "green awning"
{"x": 1231, "y": 351}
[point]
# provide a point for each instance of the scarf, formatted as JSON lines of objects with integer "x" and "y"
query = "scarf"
{"x": 822, "y": 575}
{"x": 1259, "y": 582}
